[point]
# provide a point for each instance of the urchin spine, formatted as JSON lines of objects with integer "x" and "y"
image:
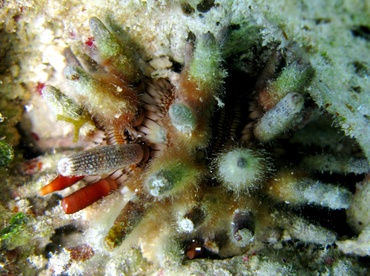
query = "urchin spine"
{"x": 67, "y": 110}
{"x": 102, "y": 98}
{"x": 280, "y": 118}
{"x": 182, "y": 117}
{"x": 170, "y": 177}
{"x": 240, "y": 168}
{"x": 336, "y": 164}
{"x": 101, "y": 160}
{"x": 298, "y": 190}
{"x": 113, "y": 51}
{"x": 88, "y": 195}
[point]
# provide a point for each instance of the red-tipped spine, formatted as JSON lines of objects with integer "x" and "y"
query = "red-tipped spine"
{"x": 60, "y": 183}
{"x": 88, "y": 195}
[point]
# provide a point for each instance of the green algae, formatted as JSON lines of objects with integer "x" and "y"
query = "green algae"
{"x": 12, "y": 233}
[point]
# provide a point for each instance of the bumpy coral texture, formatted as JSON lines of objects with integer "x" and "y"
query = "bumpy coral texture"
{"x": 212, "y": 173}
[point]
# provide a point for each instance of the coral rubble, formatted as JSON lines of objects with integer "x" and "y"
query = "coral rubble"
{"x": 217, "y": 136}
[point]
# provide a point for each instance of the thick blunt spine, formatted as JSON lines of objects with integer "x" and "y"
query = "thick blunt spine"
{"x": 107, "y": 100}
{"x": 101, "y": 160}
{"x": 88, "y": 195}
{"x": 113, "y": 52}
{"x": 66, "y": 109}
{"x": 280, "y": 118}
{"x": 127, "y": 220}
{"x": 241, "y": 169}
{"x": 298, "y": 190}
{"x": 60, "y": 183}
{"x": 182, "y": 117}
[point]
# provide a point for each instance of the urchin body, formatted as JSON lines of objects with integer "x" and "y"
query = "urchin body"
{"x": 158, "y": 141}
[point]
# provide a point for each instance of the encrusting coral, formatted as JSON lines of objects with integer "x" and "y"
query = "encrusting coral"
{"x": 181, "y": 165}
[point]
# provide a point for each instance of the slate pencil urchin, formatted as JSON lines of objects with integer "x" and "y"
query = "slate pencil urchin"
{"x": 206, "y": 170}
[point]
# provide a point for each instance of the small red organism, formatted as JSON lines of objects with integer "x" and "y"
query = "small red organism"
{"x": 32, "y": 166}
{"x": 90, "y": 42}
{"x": 246, "y": 258}
{"x": 39, "y": 87}
{"x": 329, "y": 260}
{"x": 35, "y": 136}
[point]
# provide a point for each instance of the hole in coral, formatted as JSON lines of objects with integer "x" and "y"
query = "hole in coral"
{"x": 361, "y": 69}
{"x": 58, "y": 240}
{"x": 28, "y": 143}
{"x": 243, "y": 219}
{"x": 356, "y": 89}
{"x": 319, "y": 21}
{"x": 176, "y": 66}
{"x": 350, "y": 107}
{"x": 234, "y": 27}
{"x": 361, "y": 32}
{"x": 191, "y": 37}
{"x": 205, "y": 5}
{"x": 187, "y": 9}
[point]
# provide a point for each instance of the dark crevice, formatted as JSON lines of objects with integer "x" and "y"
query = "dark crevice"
{"x": 187, "y": 9}
{"x": 56, "y": 244}
{"x": 361, "y": 32}
{"x": 27, "y": 145}
{"x": 205, "y": 5}
{"x": 361, "y": 69}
